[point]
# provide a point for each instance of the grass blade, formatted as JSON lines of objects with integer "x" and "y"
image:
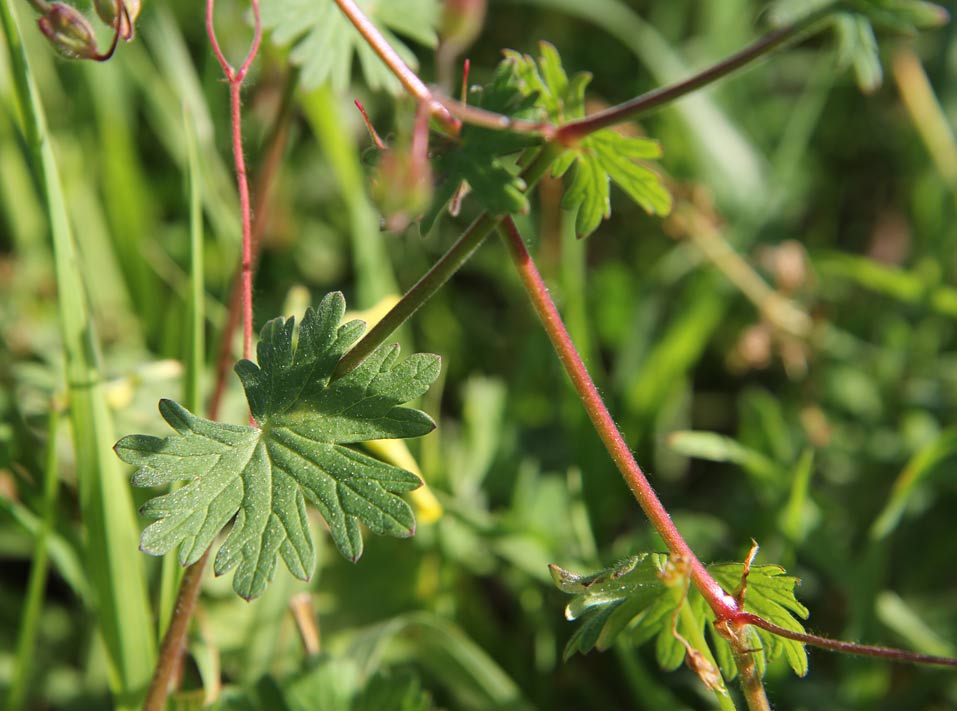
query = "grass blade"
{"x": 30, "y": 616}
{"x": 106, "y": 504}
{"x": 919, "y": 466}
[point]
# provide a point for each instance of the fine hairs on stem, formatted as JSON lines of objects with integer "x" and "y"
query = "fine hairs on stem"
{"x": 235, "y": 78}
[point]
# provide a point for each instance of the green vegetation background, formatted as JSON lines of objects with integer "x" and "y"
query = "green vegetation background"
{"x": 829, "y": 193}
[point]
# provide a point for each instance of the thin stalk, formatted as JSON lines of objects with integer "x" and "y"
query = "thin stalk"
{"x": 836, "y": 645}
{"x": 749, "y": 676}
{"x": 573, "y": 131}
{"x": 174, "y": 642}
{"x": 235, "y": 78}
{"x": 262, "y": 194}
{"x": 476, "y": 116}
{"x": 438, "y": 275}
{"x": 698, "y": 642}
{"x": 752, "y": 685}
{"x": 36, "y": 586}
{"x": 723, "y": 605}
{"x": 408, "y": 78}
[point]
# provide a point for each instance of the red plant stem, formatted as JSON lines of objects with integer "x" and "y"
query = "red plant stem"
{"x": 836, "y": 645}
{"x": 723, "y": 604}
{"x": 571, "y": 132}
{"x": 498, "y": 122}
{"x": 174, "y": 642}
{"x": 235, "y": 79}
{"x": 409, "y": 79}
{"x": 265, "y": 179}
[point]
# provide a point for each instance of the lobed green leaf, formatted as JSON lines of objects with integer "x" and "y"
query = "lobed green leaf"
{"x": 261, "y": 477}
{"x": 632, "y": 596}
{"x": 602, "y": 157}
{"x": 480, "y": 158}
{"x": 325, "y": 42}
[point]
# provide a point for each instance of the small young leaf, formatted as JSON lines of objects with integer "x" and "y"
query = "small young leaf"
{"x": 857, "y": 48}
{"x": 770, "y": 594}
{"x": 479, "y": 157}
{"x": 632, "y": 595}
{"x": 325, "y": 39}
{"x": 260, "y": 478}
{"x": 607, "y": 601}
{"x": 603, "y": 156}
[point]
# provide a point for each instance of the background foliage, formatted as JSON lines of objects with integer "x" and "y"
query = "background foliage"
{"x": 836, "y": 454}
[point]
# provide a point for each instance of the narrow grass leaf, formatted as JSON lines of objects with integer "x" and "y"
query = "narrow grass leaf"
{"x": 105, "y": 501}
{"x": 917, "y": 469}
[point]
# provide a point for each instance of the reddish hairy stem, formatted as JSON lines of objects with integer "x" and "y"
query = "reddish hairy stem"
{"x": 573, "y": 131}
{"x": 836, "y": 645}
{"x": 235, "y": 79}
{"x": 276, "y": 145}
{"x": 409, "y": 79}
{"x": 723, "y": 604}
{"x": 174, "y": 642}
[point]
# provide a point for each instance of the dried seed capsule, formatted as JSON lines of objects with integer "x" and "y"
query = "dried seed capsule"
{"x": 69, "y": 32}
{"x": 462, "y": 21}
{"x": 401, "y": 187}
{"x": 129, "y": 10}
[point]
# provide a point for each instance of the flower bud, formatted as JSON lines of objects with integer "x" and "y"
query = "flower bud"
{"x": 401, "y": 187}
{"x": 69, "y": 32}
{"x": 129, "y": 10}
{"x": 462, "y": 21}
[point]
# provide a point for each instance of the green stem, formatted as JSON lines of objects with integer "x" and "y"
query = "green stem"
{"x": 723, "y": 605}
{"x": 174, "y": 642}
{"x": 573, "y": 131}
{"x": 749, "y": 676}
{"x": 439, "y": 274}
{"x": 36, "y": 586}
{"x": 695, "y": 633}
{"x": 121, "y": 606}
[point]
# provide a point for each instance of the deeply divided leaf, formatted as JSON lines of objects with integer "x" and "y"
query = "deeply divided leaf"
{"x": 482, "y": 158}
{"x": 632, "y": 597}
{"x": 260, "y": 478}
{"x": 770, "y": 594}
{"x": 325, "y": 42}
{"x": 854, "y": 28}
{"x": 601, "y": 158}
